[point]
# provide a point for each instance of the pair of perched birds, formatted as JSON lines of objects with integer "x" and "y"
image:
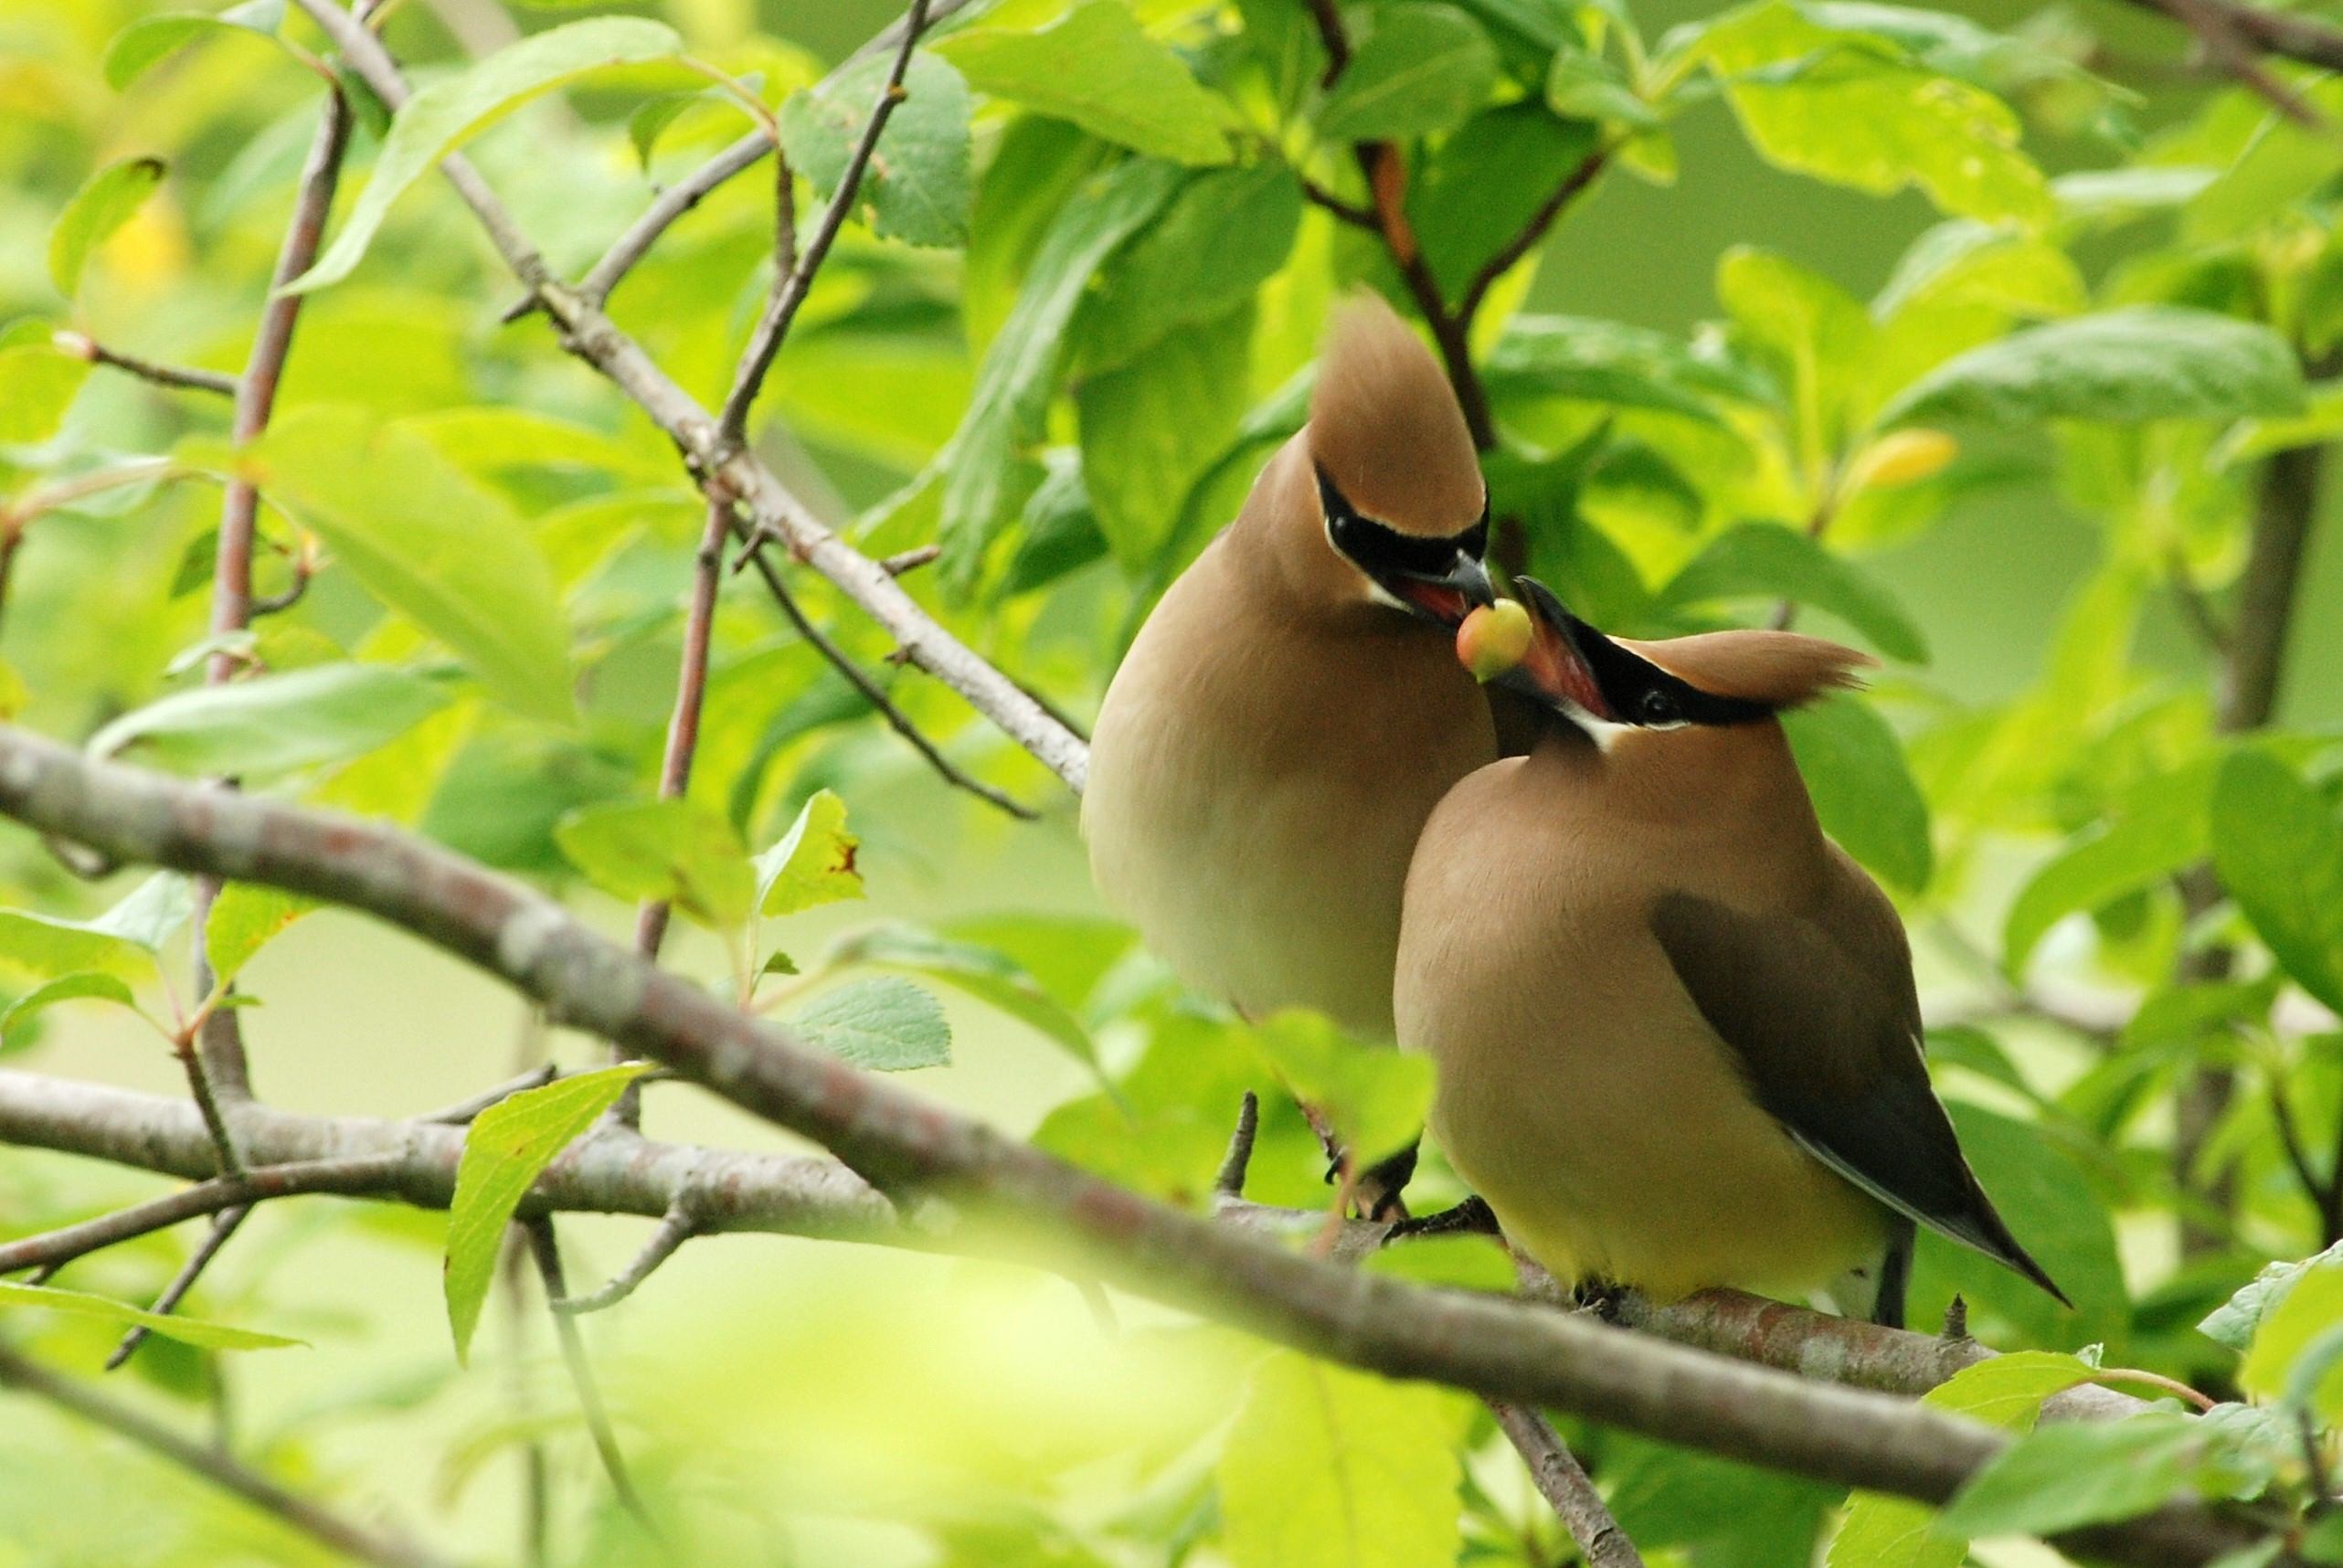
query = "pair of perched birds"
{"x": 1678, "y": 1040}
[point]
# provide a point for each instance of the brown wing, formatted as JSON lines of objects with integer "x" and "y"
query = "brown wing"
{"x": 1824, "y": 1017}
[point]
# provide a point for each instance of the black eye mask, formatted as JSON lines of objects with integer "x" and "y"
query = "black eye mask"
{"x": 1380, "y": 551}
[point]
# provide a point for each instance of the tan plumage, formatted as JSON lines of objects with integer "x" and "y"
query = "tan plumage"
{"x": 1678, "y": 1036}
{"x": 1282, "y": 725}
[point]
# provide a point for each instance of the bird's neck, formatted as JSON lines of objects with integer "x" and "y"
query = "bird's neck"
{"x": 1734, "y": 782}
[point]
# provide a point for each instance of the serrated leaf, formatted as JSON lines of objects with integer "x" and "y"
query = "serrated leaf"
{"x": 2007, "y": 1390}
{"x": 1097, "y": 68}
{"x": 2235, "y": 1322}
{"x": 267, "y": 724}
{"x": 505, "y": 1148}
{"x": 244, "y": 919}
{"x": 1862, "y": 788}
{"x": 170, "y": 1325}
{"x": 1376, "y": 1099}
{"x": 1224, "y": 235}
{"x": 1020, "y": 369}
{"x": 918, "y": 187}
{"x": 674, "y": 851}
{"x": 86, "y": 984}
{"x": 986, "y": 973}
{"x": 2070, "y": 1473}
{"x": 1152, "y": 426}
{"x": 1847, "y": 106}
{"x": 443, "y": 116}
{"x": 811, "y": 863}
{"x": 2279, "y": 848}
{"x": 109, "y": 198}
{"x": 1327, "y": 1468}
{"x": 1768, "y": 560}
{"x": 2151, "y": 362}
{"x": 2164, "y": 830}
{"x": 120, "y": 941}
{"x": 146, "y": 43}
{"x": 881, "y": 1025}
{"x": 431, "y": 543}
{"x": 1421, "y": 69}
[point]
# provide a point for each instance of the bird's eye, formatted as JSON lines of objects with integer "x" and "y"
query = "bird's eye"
{"x": 1656, "y": 707}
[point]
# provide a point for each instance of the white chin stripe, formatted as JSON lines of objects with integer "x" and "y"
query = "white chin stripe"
{"x": 1385, "y": 597}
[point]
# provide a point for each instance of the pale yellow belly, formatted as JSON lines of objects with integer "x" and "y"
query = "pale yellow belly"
{"x": 1645, "y": 1164}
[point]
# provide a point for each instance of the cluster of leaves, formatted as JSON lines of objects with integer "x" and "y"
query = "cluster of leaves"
{"x": 1075, "y": 309}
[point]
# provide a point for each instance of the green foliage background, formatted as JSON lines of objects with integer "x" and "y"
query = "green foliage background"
{"x": 1061, "y": 344}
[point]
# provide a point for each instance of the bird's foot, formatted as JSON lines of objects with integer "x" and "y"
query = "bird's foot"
{"x": 1599, "y": 1298}
{"x": 1471, "y": 1217}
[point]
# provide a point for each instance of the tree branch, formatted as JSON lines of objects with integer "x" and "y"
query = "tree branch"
{"x": 184, "y": 378}
{"x": 691, "y": 693}
{"x": 727, "y": 471}
{"x": 1055, "y": 1214}
{"x": 211, "y": 1465}
{"x": 791, "y": 284}
{"x": 2227, "y": 35}
{"x": 546, "y": 1251}
{"x": 1563, "y": 1483}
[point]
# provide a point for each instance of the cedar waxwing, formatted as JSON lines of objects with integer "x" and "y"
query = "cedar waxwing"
{"x": 1678, "y": 1038}
{"x": 1293, "y": 709}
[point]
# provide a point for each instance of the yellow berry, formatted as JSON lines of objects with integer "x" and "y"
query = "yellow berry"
{"x": 1493, "y": 639}
{"x": 1906, "y": 457}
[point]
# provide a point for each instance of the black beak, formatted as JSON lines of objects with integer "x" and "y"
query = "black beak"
{"x": 1555, "y": 672}
{"x": 1445, "y": 598}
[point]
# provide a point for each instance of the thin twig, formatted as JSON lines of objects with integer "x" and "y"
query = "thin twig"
{"x": 2229, "y": 35}
{"x": 674, "y": 202}
{"x": 1507, "y": 255}
{"x": 880, "y": 702}
{"x": 224, "y": 1224}
{"x": 1563, "y": 1483}
{"x": 50, "y": 1249}
{"x": 2195, "y": 608}
{"x": 547, "y": 1252}
{"x": 791, "y": 287}
{"x": 184, "y": 378}
{"x": 1230, "y": 1181}
{"x": 691, "y": 695}
{"x": 211, "y": 1464}
{"x": 1349, "y": 212}
{"x": 463, "y": 1111}
{"x": 678, "y": 1225}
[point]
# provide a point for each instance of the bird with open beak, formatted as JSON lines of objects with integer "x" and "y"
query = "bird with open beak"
{"x": 1678, "y": 1037}
{"x": 1293, "y": 709}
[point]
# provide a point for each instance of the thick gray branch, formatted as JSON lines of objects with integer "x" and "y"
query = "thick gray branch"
{"x": 1047, "y": 1212}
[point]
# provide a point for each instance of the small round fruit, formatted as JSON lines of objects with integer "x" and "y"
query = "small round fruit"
{"x": 1493, "y": 639}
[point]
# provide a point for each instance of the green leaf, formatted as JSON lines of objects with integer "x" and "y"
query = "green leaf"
{"x": 1224, "y": 235}
{"x": 1854, "y": 110}
{"x": 1586, "y": 360}
{"x": 505, "y": 1148}
{"x": 811, "y": 863}
{"x": 1769, "y": 561}
{"x": 1376, "y": 1098}
{"x": 1862, "y": 790}
{"x": 2292, "y": 1321}
{"x": 2283, "y": 164}
{"x": 193, "y": 1332}
{"x": 918, "y": 187}
{"x": 111, "y": 198}
{"x": 122, "y": 941}
{"x": 1580, "y": 86}
{"x": 675, "y": 851}
{"x": 76, "y": 987}
{"x": 37, "y": 382}
{"x": 2235, "y": 1322}
{"x": 1098, "y": 69}
{"x": 146, "y": 43}
{"x": 2008, "y": 1391}
{"x": 431, "y": 543}
{"x": 2154, "y": 362}
{"x": 1480, "y": 187}
{"x": 449, "y": 111}
{"x": 986, "y": 973}
{"x": 1421, "y": 69}
{"x": 1326, "y": 1468}
{"x": 1013, "y": 388}
{"x": 881, "y": 1025}
{"x": 269, "y": 723}
{"x": 2163, "y": 829}
{"x": 2072, "y": 1473}
{"x": 244, "y": 919}
{"x": 2279, "y": 848}
{"x": 1151, "y": 427}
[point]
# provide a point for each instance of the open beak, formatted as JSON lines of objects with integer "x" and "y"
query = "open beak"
{"x": 1552, "y": 669}
{"x": 1448, "y": 599}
